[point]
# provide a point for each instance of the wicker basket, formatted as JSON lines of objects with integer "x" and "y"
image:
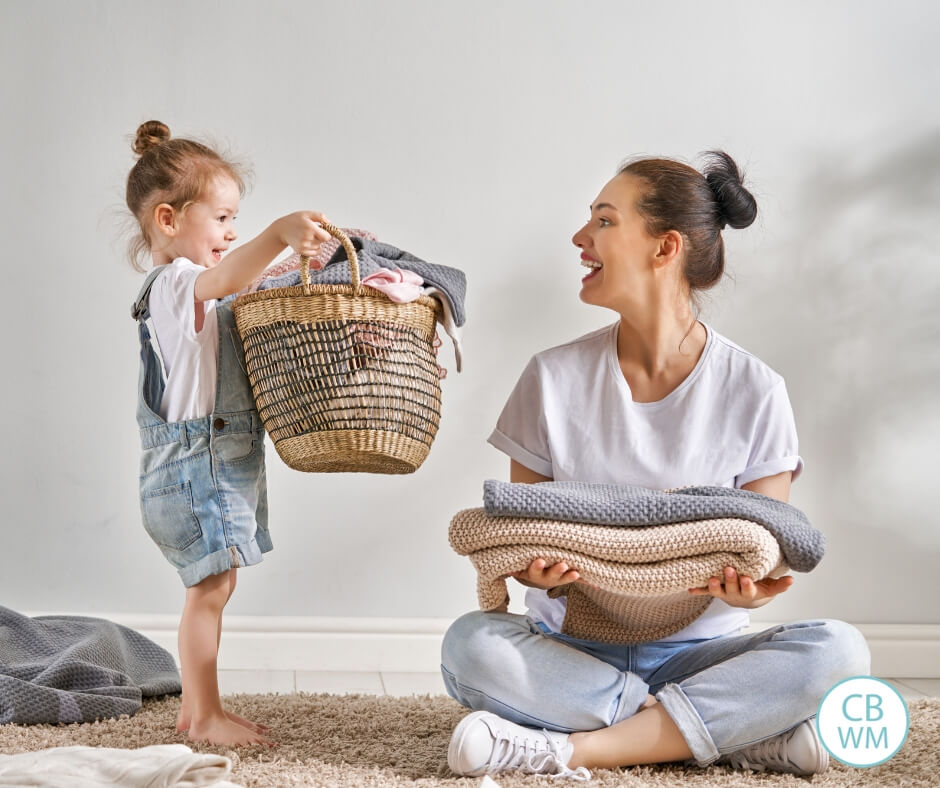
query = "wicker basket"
{"x": 344, "y": 378}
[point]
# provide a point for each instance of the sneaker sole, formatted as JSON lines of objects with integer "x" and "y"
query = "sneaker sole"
{"x": 456, "y": 740}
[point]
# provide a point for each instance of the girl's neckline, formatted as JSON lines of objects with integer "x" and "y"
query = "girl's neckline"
{"x": 614, "y": 364}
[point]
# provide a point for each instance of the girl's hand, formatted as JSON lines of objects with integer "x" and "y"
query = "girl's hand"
{"x": 742, "y": 591}
{"x": 540, "y": 575}
{"x": 301, "y": 231}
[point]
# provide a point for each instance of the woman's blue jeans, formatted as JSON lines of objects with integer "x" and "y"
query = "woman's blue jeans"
{"x": 723, "y": 694}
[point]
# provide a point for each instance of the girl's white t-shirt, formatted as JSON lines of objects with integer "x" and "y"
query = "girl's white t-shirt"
{"x": 190, "y": 357}
{"x": 572, "y": 417}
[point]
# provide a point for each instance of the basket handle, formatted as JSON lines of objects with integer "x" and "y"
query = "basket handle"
{"x": 350, "y": 255}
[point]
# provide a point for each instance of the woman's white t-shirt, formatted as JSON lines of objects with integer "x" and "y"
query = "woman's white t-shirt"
{"x": 572, "y": 417}
{"x": 190, "y": 357}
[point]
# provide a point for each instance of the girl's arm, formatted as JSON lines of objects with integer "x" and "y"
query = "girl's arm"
{"x": 242, "y": 266}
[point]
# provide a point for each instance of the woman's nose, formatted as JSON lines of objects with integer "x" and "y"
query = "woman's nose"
{"x": 578, "y": 238}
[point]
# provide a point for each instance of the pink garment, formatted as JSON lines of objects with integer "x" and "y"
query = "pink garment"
{"x": 400, "y": 286}
{"x": 317, "y": 262}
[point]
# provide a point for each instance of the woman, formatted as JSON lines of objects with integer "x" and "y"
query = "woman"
{"x": 660, "y": 400}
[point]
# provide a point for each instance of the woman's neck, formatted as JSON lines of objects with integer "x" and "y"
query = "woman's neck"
{"x": 658, "y": 351}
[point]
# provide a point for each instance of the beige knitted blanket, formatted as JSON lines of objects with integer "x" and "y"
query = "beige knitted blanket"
{"x": 636, "y": 580}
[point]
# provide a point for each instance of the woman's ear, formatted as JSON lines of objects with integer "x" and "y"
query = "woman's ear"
{"x": 671, "y": 245}
{"x": 164, "y": 219}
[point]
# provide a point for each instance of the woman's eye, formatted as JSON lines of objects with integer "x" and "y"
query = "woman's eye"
{"x": 602, "y": 221}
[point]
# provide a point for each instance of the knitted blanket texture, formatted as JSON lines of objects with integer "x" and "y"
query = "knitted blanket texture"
{"x": 75, "y": 669}
{"x": 636, "y": 579}
{"x": 612, "y": 504}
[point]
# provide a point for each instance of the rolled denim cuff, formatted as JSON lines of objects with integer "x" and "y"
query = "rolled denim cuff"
{"x": 689, "y": 723}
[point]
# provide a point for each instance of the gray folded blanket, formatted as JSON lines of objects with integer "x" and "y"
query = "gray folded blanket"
{"x": 373, "y": 255}
{"x": 76, "y": 669}
{"x": 611, "y": 504}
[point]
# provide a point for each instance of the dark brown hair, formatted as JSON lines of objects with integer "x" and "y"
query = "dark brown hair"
{"x": 675, "y": 196}
{"x": 175, "y": 171}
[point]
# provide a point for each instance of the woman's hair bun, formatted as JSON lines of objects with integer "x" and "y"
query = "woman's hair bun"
{"x": 736, "y": 205}
{"x": 151, "y": 133}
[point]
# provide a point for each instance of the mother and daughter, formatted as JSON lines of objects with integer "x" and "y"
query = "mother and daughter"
{"x": 657, "y": 399}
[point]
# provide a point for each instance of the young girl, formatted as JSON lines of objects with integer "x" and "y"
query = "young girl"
{"x": 202, "y": 480}
{"x": 660, "y": 400}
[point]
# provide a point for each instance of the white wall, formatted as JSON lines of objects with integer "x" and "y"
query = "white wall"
{"x": 475, "y": 135}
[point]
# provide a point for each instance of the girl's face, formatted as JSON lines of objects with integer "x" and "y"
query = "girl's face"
{"x": 205, "y": 229}
{"x": 617, "y": 248}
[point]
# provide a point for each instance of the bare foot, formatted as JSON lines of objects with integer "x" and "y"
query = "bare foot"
{"x": 183, "y": 721}
{"x": 221, "y": 730}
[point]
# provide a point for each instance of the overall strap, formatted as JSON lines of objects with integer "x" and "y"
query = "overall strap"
{"x": 151, "y": 383}
{"x": 140, "y": 309}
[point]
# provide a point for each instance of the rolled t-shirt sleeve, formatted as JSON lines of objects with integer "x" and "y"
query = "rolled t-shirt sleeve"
{"x": 521, "y": 430}
{"x": 774, "y": 446}
{"x": 173, "y": 294}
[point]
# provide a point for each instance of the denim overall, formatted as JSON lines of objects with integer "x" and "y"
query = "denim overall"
{"x": 203, "y": 493}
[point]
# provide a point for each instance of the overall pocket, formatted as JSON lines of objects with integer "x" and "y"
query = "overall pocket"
{"x": 236, "y": 447}
{"x": 169, "y": 518}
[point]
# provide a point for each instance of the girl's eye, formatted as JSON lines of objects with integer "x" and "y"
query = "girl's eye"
{"x": 603, "y": 222}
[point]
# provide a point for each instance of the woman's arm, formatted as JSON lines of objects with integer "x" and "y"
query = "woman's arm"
{"x": 743, "y": 591}
{"x": 539, "y": 574}
{"x": 519, "y": 473}
{"x": 772, "y": 486}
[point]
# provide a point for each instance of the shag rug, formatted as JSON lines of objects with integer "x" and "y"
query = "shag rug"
{"x": 365, "y": 740}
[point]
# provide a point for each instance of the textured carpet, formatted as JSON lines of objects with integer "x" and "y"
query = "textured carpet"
{"x": 362, "y": 740}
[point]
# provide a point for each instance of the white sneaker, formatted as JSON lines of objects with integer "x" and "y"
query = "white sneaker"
{"x": 484, "y": 743}
{"x": 796, "y": 751}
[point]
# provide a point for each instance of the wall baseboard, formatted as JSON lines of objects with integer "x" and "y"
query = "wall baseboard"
{"x": 412, "y": 645}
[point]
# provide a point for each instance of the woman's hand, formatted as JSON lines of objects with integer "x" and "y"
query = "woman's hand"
{"x": 743, "y": 591}
{"x": 301, "y": 231}
{"x": 540, "y": 575}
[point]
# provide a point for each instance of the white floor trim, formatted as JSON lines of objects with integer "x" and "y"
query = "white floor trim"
{"x": 412, "y": 645}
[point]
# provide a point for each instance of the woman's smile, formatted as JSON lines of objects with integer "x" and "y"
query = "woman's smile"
{"x": 594, "y": 265}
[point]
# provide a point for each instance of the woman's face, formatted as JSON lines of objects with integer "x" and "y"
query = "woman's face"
{"x": 617, "y": 248}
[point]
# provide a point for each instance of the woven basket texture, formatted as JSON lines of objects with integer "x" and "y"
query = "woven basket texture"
{"x": 345, "y": 380}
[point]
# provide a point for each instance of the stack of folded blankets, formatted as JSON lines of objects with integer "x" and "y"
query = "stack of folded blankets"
{"x": 638, "y": 551}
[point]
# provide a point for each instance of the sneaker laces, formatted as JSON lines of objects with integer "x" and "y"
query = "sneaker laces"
{"x": 532, "y": 756}
{"x": 770, "y": 752}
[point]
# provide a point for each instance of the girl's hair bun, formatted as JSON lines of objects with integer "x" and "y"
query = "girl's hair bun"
{"x": 149, "y": 134}
{"x": 736, "y": 205}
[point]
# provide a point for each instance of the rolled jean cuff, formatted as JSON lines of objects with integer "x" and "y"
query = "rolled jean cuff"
{"x": 689, "y": 723}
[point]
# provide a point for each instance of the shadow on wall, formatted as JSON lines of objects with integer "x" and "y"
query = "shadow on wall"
{"x": 855, "y": 304}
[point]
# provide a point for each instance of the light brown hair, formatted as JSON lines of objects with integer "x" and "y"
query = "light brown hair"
{"x": 174, "y": 171}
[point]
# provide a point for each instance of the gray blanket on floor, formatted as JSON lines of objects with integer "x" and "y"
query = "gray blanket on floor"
{"x": 75, "y": 669}
{"x": 611, "y": 504}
